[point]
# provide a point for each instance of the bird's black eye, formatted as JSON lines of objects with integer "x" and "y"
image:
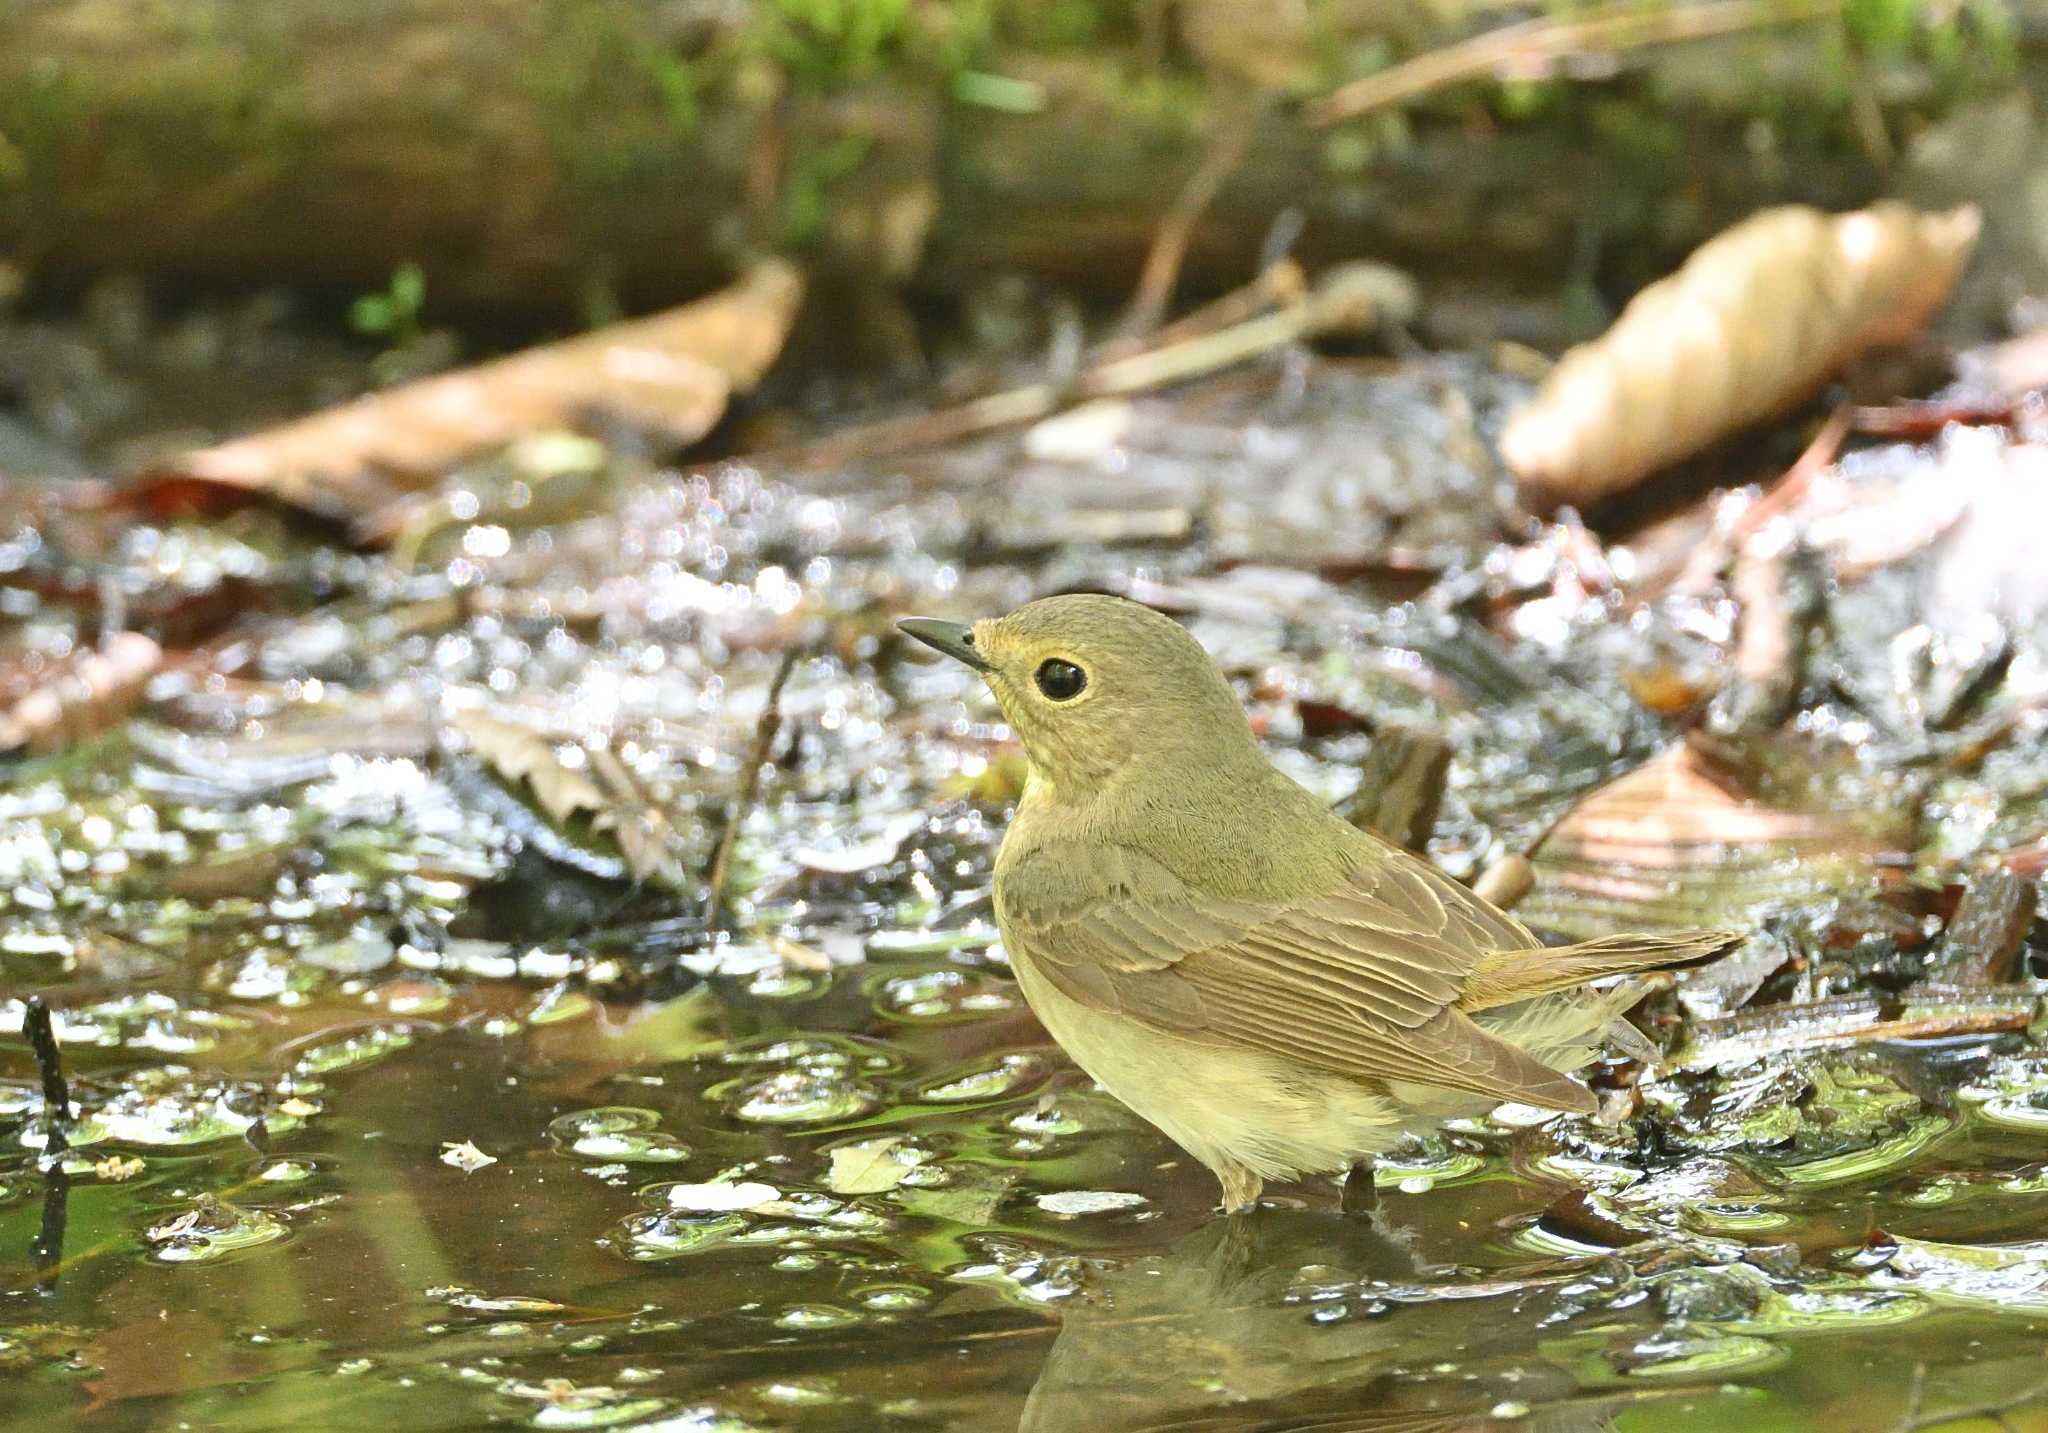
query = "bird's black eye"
{"x": 1062, "y": 681}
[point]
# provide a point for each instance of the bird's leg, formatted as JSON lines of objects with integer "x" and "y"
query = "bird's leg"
{"x": 1240, "y": 1188}
{"x": 1361, "y": 1191}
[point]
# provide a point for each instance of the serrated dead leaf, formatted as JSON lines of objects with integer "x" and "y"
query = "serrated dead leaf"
{"x": 521, "y": 754}
{"x": 600, "y": 786}
{"x": 1750, "y": 327}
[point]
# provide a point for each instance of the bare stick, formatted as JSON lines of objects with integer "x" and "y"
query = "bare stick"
{"x": 1280, "y": 283}
{"x": 1347, "y": 299}
{"x": 1156, "y": 281}
{"x": 1533, "y": 43}
{"x": 42, "y": 1040}
{"x": 750, "y": 789}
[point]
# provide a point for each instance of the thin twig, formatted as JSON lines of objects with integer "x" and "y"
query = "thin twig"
{"x": 1348, "y": 299}
{"x": 47, "y": 1252}
{"x": 1991, "y": 1408}
{"x": 42, "y": 1040}
{"x": 1532, "y": 43}
{"x": 1280, "y": 283}
{"x": 750, "y": 789}
{"x": 1156, "y": 280}
{"x": 1925, "y": 419}
{"x": 1790, "y": 490}
{"x": 1700, "y": 571}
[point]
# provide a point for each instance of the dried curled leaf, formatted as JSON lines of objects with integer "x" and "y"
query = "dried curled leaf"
{"x": 1752, "y": 324}
{"x": 588, "y": 779}
{"x": 672, "y": 373}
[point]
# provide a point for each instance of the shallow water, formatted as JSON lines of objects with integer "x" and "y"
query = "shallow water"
{"x": 401, "y": 1104}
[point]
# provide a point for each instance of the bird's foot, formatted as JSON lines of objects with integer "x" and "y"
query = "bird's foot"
{"x": 1240, "y": 1189}
{"x": 1361, "y": 1193}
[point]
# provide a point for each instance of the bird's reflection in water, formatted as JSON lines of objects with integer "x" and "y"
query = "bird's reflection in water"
{"x": 1279, "y": 1321}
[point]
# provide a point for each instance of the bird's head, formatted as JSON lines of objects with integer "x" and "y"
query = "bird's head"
{"x": 1094, "y": 684}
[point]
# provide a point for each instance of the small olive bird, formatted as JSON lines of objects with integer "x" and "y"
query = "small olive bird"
{"x": 1281, "y": 993}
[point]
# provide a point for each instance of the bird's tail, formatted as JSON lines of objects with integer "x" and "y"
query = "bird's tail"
{"x": 1508, "y": 976}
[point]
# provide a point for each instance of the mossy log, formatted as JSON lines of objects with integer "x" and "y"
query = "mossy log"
{"x": 545, "y": 154}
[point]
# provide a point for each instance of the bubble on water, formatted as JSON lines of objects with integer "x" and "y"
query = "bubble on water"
{"x": 646, "y": 1238}
{"x": 621, "y": 1133}
{"x": 1886, "y": 1156}
{"x": 801, "y": 1393}
{"x": 411, "y": 995}
{"x": 363, "y": 1045}
{"x": 1723, "y": 1216}
{"x": 795, "y": 1097}
{"x": 719, "y": 1198}
{"x": 359, "y": 953}
{"x": 211, "y": 1230}
{"x": 557, "y": 1005}
{"x": 1047, "y": 1119}
{"x": 943, "y": 996}
{"x": 1686, "y": 1354}
{"x": 1811, "y": 1310}
{"x": 2027, "y": 1112}
{"x": 809, "y": 1317}
{"x": 1417, "y": 1171}
{"x": 781, "y": 985}
{"x": 987, "y": 1080}
{"x": 1583, "y": 1173}
{"x": 930, "y": 942}
{"x": 170, "y": 1106}
{"x": 594, "y": 1408}
{"x": 807, "y": 1215}
{"x": 458, "y": 1297}
{"x": 893, "y": 1298}
{"x": 1090, "y": 1201}
{"x": 817, "y": 1053}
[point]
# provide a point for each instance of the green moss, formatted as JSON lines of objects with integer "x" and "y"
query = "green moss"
{"x": 824, "y": 45}
{"x": 620, "y": 105}
{"x": 807, "y": 184}
{"x": 36, "y": 111}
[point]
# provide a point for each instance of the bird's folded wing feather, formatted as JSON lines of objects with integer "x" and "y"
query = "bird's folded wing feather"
{"x": 1362, "y": 980}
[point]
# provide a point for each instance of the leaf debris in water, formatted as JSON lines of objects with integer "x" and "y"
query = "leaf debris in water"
{"x": 465, "y": 1156}
{"x": 873, "y": 1166}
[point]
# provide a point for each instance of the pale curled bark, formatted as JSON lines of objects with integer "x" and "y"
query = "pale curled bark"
{"x": 1750, "y": 327}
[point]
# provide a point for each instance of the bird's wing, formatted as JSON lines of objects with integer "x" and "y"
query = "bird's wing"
{"x": 1363, "y": 980}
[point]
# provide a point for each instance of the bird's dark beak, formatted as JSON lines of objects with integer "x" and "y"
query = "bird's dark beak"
{"x": 955, "y": 639}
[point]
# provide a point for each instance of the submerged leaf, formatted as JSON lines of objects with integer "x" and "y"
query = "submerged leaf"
{"x": 872, "y": 1166}
{"x": 1679, "y": 842}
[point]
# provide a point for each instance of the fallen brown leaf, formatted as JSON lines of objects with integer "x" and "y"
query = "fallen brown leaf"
{"x": 672, "y": 373}
{"x": 1750, "y": 327}
{"x": 70, "y": 699}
